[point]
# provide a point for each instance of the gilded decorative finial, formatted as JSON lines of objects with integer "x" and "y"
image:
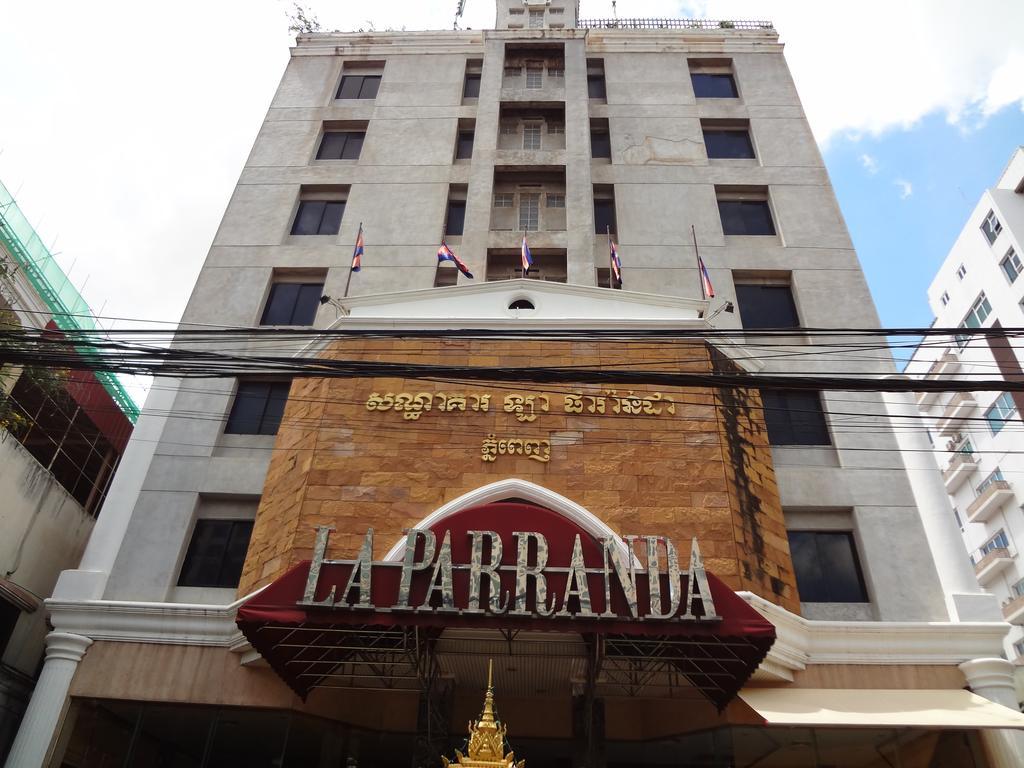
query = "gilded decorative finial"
{"x": 486, "y": 737}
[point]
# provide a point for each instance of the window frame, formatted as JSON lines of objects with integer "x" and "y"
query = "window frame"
{"x": 460, "y": 144}
{"x": 709, "y": 79}
{"x": 373, "y": 78}
{"x": 323, "y": 216}
{"x": 714, "y": 130}
{"x": 809, "y": 428}
{"x": 826, "y": 565}
{"x": 277, "y": 286}
{"x": 998, "y": 414}
{"x": 991, "y": 227}
{"x": 471, "y": 78}
{"x": 532, "y": 212}
{"x": 460, "y": 219}
{"x": 598, "y": 220}
{"x": 349, "y": 138}
{"x": 533, "y": 135}
{"x": 598, "y": 150}
{"x": 1012, "y": 259}
{"x": 270, "y": 418}
{"x": 737, "y": 203}
{"x": 756, "y": 313}
{"x": 225, "y": 578}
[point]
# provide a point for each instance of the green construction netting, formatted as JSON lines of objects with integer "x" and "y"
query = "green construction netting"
{"x": 70, "y": 310}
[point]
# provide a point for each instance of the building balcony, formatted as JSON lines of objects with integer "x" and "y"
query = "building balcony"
{"x": 961, "y": 404}
{"x": 960, "y": 468}
{"x": 1013, "y": 610}
{"x": 989, "y": 501}
{"x": 945, "y": 366}
{"x": 926, "y": 399}
{"x": 992, "y": 564}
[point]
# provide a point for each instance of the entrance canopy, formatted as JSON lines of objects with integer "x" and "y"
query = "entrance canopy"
{"x": 314, "y": 633}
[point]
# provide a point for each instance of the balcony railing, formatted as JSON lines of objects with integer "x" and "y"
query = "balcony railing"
{"x": 989, "y": 501}
{"x": 958, "y": 407}
{"x": 1013, "y": 610}
{"x": 992, "y": 563}
{"x": 716, "y": 24}
{"x": 960, "y": 467}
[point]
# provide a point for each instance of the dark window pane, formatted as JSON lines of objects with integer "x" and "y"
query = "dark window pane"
{"x": 307, "y": 220}
{"x": 445, "y": 276}
{"x": 280, "y": 304}
{"x": 369, "y": 87}
{"x": 464, "y": 151}
{"x": 247, "y": 409}
{"x": 746, "y": 217}
{"x": 456, "y": 217}
{"x": 827, "y": 569}
{"x": 767, "y": 306}
{"x": 595, "y": 86}
{"x": 728, "y": 144}
{"x": 713, "y": 86}
{"x": 331, "y": 222}
{"x": 600, "y": 144}
{"x": 471, "y": 89}
{"x": 331, "y": 146}
{"x": 206, "y": 551}
{"x": 353, "y": 145}
{"x": 794, "y": 417}
{"x": 604, "y": 216}
{"x": 276, "y": 401}
{"x": 350, "y": 85}
{"x": 307, "y": 302}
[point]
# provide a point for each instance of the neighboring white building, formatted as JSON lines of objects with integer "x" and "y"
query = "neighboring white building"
{"x": 978, "y": 437}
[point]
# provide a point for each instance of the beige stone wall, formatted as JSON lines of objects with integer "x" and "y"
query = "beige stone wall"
{"x": 703, "y": 471}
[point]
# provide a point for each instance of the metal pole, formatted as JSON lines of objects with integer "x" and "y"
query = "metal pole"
{"x": 700, "y": 276}
{"x": 349, "y": 281}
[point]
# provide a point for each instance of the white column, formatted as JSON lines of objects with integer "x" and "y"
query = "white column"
{"x": 965, "y": 599}
{"x": 42, "y": 718}
{"x": 993, "y": 679}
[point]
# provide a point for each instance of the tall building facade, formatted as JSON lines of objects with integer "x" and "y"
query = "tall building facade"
{"x": 61, "y": 436}
{"x": 977, "y": 436}
{"x": 318, "y": 571}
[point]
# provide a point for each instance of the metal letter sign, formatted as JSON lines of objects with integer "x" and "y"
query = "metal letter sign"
{"x": 441, "y": 584}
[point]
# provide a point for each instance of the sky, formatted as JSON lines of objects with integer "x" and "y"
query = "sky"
{"x": 124, "y": 125}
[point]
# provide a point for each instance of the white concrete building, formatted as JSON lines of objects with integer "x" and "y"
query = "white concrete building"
{"x": 978, "y": 437}
{"x": 564, "y": 131}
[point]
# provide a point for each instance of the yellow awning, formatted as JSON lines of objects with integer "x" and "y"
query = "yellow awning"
{"x": 879, "y": 708}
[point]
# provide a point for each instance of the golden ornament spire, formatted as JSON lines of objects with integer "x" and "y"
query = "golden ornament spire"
{"x": 486, "y": 737}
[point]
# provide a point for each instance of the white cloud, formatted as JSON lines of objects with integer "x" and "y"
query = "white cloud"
{"x": 869, "y": 163}
{"x": 905, "y": 187}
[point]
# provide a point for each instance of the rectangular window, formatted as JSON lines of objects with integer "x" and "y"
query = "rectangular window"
{"x": 1011, "y": 265}
{"x": 534, "y": 77}
{"x": 531, "y": 136}
{"x": 999, "y": 541}
{"x": 536, "y": 19}
{"x": 292, "y": 303}
{"x": 529, "y": 211}
{"x": 503, "y": 199}
{"x": 1019, "y": 648}
{"x": 556, "y": 129}
{"x": 456, "y": 218}
{"x": 827, "y": 568}
{"x": 707, "y": 85}
{"x": 471, "y": 87}
{"x": 600, "y": 143}
{"x": 1000, "y": 413}
{"x": 745, "y": 213}
{"x": 595, "y": 79}
{"x": 991, "y": 227}
{"x": 556, "y": 72}
{"x": 359, "y": 87}
{"x": 1017, "y": 588}
{"x": 944, "y": 298}
{"x": 604, "y": 215}
{"x": 995, "y": 476}
{"x": 979, "y": 312}
{"x": 727, "y": 141}
{"x": 767, "y": 306}
{"x": 961, "y": 272}
{"x": 464, "y": 148}
{"x": 956, "y": 516}
{"x": 794, "y": 417}
{"x": 216, "y": 553}
{"x": 258, "y": 408}
{"x": 341, "y": 145}
{"x": 554, "y": 201}
{"x": 445, "y": 276}
{"x": 318, "y": 217}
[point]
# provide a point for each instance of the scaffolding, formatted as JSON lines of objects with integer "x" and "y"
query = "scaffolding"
{"x": 70, "y": 310}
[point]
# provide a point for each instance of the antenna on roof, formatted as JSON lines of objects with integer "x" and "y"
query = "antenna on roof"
{"x": 615, "y": 11}
{"x": 460, "y": 6}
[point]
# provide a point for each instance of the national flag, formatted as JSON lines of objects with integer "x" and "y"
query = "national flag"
{"x": 616, "y": 264}
{"x": 705, "y": 280}
{"x": 527, "y": 257}
{"x": 444, "y": 253}
{"x": 357, "y": 254}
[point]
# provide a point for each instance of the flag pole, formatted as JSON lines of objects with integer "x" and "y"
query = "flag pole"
{"x": 349, "y": 281}
{"x": 700, "y": 277}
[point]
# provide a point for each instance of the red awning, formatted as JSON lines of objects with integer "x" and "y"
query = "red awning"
{"x": 311, "y": 646}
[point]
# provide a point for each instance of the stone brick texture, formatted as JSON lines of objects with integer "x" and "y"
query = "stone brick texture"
{"x": 704, "y": 471}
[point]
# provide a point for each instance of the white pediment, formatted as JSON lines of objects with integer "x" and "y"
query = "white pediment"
{"x": 553, "y": 303}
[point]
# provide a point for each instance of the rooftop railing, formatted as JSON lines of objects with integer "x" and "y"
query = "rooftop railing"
{"x": 715, "y": 24}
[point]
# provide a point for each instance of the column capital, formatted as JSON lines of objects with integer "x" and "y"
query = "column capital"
{"x": 66, "y": 646}
{"x": 991, "y": 674}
